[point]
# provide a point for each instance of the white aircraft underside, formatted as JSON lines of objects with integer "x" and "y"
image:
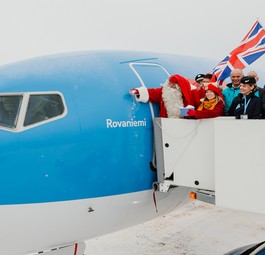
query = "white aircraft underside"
{"x": 94, "y": 216}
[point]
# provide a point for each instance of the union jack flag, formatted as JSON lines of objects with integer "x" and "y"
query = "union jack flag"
{"x": 250, "y": 49}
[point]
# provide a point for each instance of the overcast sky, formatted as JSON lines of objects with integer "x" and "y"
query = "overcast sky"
{"x": 204, "y": 28}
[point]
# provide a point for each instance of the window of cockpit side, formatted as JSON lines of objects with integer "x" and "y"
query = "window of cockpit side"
{"x": 43, "y": 107}
{"x": 9, "y": 110}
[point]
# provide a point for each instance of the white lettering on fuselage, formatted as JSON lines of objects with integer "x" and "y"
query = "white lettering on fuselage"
{"x": 124, "y": 124}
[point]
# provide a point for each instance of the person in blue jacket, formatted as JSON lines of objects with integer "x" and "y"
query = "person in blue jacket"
{"x": 232, "y": 89}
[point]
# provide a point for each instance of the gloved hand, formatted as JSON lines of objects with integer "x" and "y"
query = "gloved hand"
{"x": 191, "y": 113}
{"x": 134, "y": 92}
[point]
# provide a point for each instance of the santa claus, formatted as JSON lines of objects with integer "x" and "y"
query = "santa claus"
{"x": 175, "y": 93}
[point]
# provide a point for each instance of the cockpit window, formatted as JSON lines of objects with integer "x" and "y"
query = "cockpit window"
{"x": 43, "y": 107}
{"x": 9, "y": 109}
{"x": 21, "y": 111}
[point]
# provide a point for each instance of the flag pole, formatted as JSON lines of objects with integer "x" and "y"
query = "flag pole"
{"x": 259, "y": 22}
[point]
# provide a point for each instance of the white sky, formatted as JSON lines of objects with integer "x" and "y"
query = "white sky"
{"x": 204, "y": 28}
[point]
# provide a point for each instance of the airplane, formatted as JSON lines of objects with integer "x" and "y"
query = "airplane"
{"x": 77, "y": 150}
{"x": 76, "y": 147}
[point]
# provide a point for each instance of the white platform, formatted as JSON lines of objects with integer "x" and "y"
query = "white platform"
{"x": 224, "y": 154}
{"x": 195, "y": 229}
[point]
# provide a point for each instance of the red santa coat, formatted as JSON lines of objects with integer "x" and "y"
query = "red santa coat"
{"x": 155, "y": 94}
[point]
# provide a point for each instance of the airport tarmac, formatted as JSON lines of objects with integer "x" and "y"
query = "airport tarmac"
{"x": 194, "y": 229}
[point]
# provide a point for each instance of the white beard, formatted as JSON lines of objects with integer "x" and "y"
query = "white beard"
{"x": 173, "y": 100}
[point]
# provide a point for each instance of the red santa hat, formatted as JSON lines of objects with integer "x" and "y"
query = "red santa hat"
{"x": 184, "y": 86}
{"x": 216, "y": 90}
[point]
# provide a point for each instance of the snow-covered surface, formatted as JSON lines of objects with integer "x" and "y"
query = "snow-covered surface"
{"x": 194, "y": 229}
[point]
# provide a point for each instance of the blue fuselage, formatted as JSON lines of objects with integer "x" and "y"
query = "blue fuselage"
{"x": 103, "y": 145}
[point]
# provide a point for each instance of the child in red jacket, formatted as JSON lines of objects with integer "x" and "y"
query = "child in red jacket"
{"x": 212, "y": 105}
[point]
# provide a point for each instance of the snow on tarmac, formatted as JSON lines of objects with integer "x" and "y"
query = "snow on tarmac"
{"x": 194, "y": 229}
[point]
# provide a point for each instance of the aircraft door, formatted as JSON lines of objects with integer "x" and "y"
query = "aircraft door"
{"x": 150, "y": 75}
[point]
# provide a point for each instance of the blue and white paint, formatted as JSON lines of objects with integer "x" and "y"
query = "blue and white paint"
{"x": 86, "y": 173}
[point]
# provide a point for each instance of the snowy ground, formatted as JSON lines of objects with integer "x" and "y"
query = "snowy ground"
{"x": 194, "y": 229}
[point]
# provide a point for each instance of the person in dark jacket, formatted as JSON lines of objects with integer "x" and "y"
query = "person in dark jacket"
{"x": 259, "y": 92}
{"x": 212, "y": 105}
{"x": 200, "y": 88}
{"x": 246, "y": 105}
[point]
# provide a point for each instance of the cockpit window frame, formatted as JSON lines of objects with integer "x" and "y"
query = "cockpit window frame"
{"x": 24, "y": 106}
